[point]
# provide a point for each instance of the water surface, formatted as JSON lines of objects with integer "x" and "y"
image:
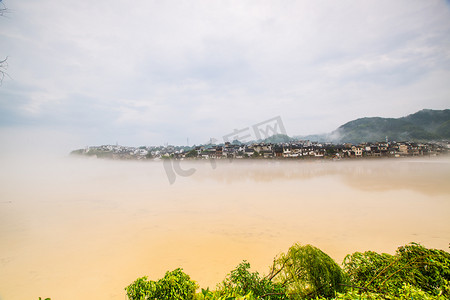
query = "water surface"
{"x": 86, "y": 228}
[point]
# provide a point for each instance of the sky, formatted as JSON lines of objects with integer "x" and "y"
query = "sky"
{"x": 153, "y": 72}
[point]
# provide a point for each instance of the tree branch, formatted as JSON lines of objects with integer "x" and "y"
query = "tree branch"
{"x": 3, "y": 63}
{"x": 3, "y": 67}
{"x": 272, "y": 275}
{"x": 3, "y": 9}
{"x": 361, "y": 288}
{"x": 381, "y": 272}
{"x": 270, "y": 294}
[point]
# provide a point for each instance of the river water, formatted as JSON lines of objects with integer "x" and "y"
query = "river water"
{"x": 86, "y": 228}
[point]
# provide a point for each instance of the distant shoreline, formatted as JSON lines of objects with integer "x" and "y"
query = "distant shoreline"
{"x": 304, "y": 150}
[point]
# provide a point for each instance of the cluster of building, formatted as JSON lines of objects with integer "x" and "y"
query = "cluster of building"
{"x": 293, "y": 150}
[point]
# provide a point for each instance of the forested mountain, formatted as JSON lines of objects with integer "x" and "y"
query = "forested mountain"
{"x": 424, "y": 125}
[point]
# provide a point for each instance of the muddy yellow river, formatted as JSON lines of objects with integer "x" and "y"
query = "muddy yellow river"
{"x": 86, "y": 228}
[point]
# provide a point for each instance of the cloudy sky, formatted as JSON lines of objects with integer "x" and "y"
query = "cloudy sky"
{"x": 149, "y": 72}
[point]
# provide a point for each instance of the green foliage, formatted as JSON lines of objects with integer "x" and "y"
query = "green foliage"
{"x": 364, "y": 267}
{"x": 414, "y": 272}
{"x": 256, "y": 154}
{"x": 406, "y": 292}
{"x": 77, "y": 152}
{"x": 376, "y": 129}
{"x": 99, "y": 153}
{"x": 192, "y": 153}
{"x": 330, "y": 151}
{"x": 216, "y": 296}
{"x": 444, "y": 130}
{"x": 424, "y": 125}
{"x": 423, "y": 269}
{"x": 429, "y": 119}
{"x": 308, "y": 272}
{"x": 428, "y": 269}
{"x": 277, "y": 138}
{"x": 174, "y": 285}
{"x": 206, "y": 294}
{"x": 141, "y": 289}
{"x": 242, "y": 282}
{"x": 409, "y": 291}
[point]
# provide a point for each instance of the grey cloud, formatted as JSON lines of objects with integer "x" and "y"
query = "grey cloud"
{"x": 167, "y": 70}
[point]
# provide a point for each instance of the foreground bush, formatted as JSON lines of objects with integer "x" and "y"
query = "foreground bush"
{"x": 407, "y": 292}
{"x": 424, "y": 269}
{"x": 307, "y": 272}
{"x": 175, "y": 285}
{"x": 242, "y": 282}
{"x": 303, "y": 272}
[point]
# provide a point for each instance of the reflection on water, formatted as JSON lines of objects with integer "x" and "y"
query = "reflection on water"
{"x": 428, "y": 176}
{"x": 84, "y": 229}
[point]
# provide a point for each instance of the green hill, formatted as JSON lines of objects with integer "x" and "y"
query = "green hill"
{"x": 277, "y": 138}
{"x": 425, "y": 125}
{"x": 444, "y": 130}
{"x": 429, "y": 119}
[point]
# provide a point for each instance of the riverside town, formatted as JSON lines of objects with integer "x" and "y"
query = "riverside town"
{"x": 287, "y": 150}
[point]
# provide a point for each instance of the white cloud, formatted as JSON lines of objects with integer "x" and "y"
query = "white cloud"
{"x": 203, "y": 68}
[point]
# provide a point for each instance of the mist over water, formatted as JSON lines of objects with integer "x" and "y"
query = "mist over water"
{"x": 75, "y": 228}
